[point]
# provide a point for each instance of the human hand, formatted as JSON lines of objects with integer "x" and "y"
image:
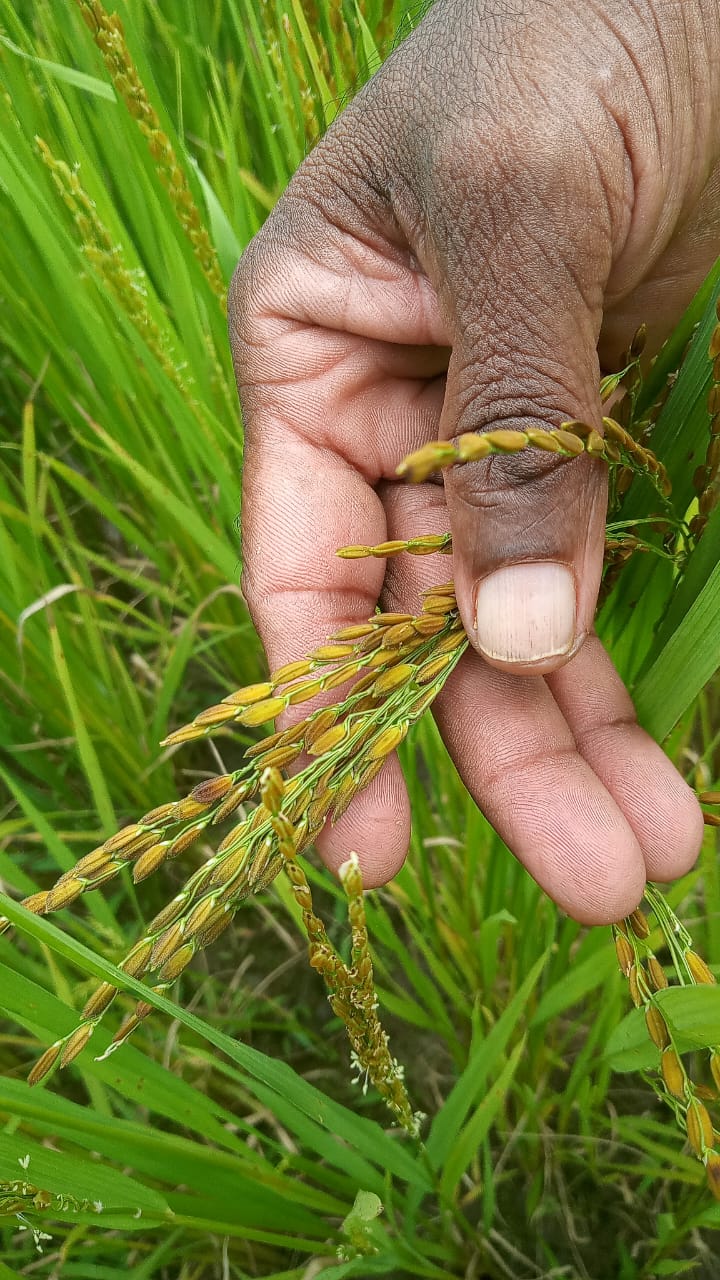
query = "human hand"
{"x": 518, "y": 187}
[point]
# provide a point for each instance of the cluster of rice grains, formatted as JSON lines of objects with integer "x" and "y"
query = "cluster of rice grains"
{"x": 387, "y": 672}
{"x": 646, "y": 978}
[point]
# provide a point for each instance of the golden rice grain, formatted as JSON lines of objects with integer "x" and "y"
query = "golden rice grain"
{"x": 45, "y": 1063}
{"x": 700, "y": 971}
{"x": 251, "y": 694}
{"x": 657, "y": 1027}
{"x": 174, "y": 965}
{"x": 625, "y": 954}
{"x": 75, "y": 1043}
{"x": 699, "y": 1128}
{"x": 149, "y": 861}
{"x": 262, "y": 711}
{"x": 99, "y": 1001}
{"x": 639, "y": 924}
{"x": 387, "y": 741}
{"x": 673, "y": 1073}
{"x": 657, "y": 973}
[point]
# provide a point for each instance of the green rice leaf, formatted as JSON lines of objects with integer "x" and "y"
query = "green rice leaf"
{"x": 367, "y": 1136}
{"x": 67, "y": 75}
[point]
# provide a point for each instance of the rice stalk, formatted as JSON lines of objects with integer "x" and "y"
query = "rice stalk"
{"x": 646, "y": 976}
{"x": 706, "y": 480}
{"x": 351, "y": 990}
{"x": 400, "y": 675}
{"x": 308, "y": 94}
{"x": 617, "y": 448}
{"x": 128, "y": 285}
{"x": 109, "y": 36}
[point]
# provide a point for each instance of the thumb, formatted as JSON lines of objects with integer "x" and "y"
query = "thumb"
{"x": 524, "y": 298}
{"x": 528, "y": 528}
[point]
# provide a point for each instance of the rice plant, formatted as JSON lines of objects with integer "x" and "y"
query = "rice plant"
{"x": 244, "y": 1129}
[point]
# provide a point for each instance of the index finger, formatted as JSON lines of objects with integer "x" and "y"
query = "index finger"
{"x": 328, "y": 413}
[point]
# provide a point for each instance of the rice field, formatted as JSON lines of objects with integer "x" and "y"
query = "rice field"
{"x": 242, "y": 1066}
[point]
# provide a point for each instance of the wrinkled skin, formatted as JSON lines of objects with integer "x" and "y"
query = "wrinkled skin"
{"x": 476, "y": 236}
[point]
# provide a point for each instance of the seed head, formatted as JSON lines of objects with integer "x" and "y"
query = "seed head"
{"x": 188, "y": 733}
{"x": 319, "y": 809}
{"x": 184, "y": 840}
{"x": 250, "y": 694}
{"x": 387, "y": 741}
{"x": 302, "y": 692}
{"x": 332, "y": 652}
{"x": 126, "y": 1028}
{"x": 213, "y": 716}
{"x": 37, "y": 903}
{"x": 431, "y": 670}
{"x": 92, "y": 862}
{"x": 343, "y": 795}
{"x": 136, "y": 962}
{"x": 212, "y": 931}
{"x": 226, "y": 869}
{"x": 292, "y": 671}
{"x": 329, "y": 740}
{"x": 174, "y": 966}
{"x": 657, "y": 1027}
{"x": 63, "y": 894}
{"x": 473, "y": 447}
{"x": 699, "y": 1128}
{"x": 429, "y": 624}
{"x": 392, "y": 679}
{"x": 45, "y": 1063}
{"x": 167, "y": 944}
{"x": 233, "y": 800}
{"x": 149, "y": 861}
{"x": 355, "y": 632}
{"x": 673, "y": 1073}
{"x": 162, "y": 815}
{"x": 657, "y": 973}
{"x": 639, "y": 924}
{"x": 544, "y": 440}
{"x": 168, "y": 914}
{"x": 76, "y": 1043}
{"x": 281, "y": 756}
{"x": 272, "y": 789}
{"x": 699, "y": 970}
{"x": 268, "y": 709}
{"x": 214, "y": 789}
{"x": 205, "y": 912}
{"x": 188, "y": 808}
{"x": 625, "y": 954}
{"x": 123, "y": 840}
{"x": 318, "y": 724}
{"x": 99, "y": 1001}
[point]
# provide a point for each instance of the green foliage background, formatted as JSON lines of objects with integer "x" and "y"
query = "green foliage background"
{"x": 229, "y": 1139}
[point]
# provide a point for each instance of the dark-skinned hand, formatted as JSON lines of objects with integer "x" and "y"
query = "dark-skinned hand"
{"x": 475, "y": 238}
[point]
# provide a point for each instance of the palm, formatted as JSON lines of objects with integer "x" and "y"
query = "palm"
{"x": 362, "y": 332}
